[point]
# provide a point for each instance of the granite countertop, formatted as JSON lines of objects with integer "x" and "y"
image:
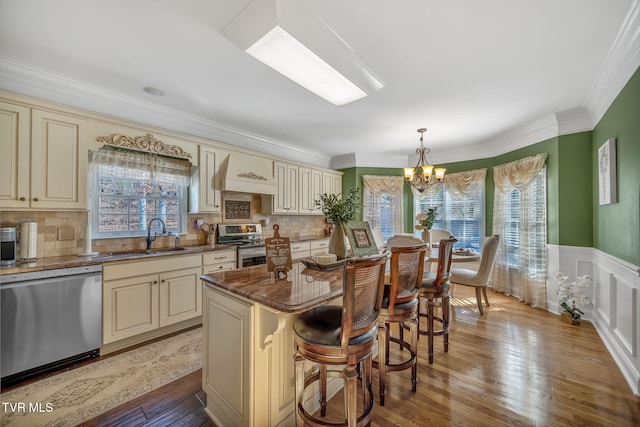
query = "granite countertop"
{"x": 79, "y": 261}
{"x": 302, "y": 289}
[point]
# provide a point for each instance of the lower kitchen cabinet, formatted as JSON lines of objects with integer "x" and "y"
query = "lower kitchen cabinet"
{"x": 218, "y": 261}
{"x": 142, "y": 296}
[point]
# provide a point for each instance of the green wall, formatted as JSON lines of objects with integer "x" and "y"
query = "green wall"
{"x": 616, "y": 227}
{"x": 574, "y": 217}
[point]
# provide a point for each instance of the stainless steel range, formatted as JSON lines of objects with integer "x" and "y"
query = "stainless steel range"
{"x": 248, "y": 239}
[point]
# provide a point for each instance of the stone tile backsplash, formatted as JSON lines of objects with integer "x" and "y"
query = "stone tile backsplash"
{"x": 50, "y": 222}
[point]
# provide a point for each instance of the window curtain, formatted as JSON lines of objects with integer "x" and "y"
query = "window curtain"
{"x": 383, "y": 207}
{"x": 463, "y": 185}
{"x": 531, "y": 250}
{"x": 139, "y": 165}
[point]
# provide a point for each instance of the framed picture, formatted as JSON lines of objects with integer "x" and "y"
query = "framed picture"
{"x": 360, "y": 238}
{"x": 607, "y": 172}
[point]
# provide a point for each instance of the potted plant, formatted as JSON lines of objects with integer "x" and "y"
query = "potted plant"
{"x": 571, "y": 297}
{"x": 339, "y": 210}
{"x": 425, "y": 222}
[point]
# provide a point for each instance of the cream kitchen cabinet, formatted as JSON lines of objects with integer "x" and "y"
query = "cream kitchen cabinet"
{"x": 300, "y": 250}
{"x": 331, "y": 183}
{"x": 320, "y": 246}
{"x": 309, "y": 190}
{"x": 218, "y": 261}
{"x": 206, "y": 183}
{"x": 286, "y": 199}
{"x": 142, "y": 296}
{"x": 43, "y": 159}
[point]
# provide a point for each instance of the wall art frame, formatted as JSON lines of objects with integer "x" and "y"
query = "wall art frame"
{"x": 607, "y": 174}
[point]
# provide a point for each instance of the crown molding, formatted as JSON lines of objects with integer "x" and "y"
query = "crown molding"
{"x": 621, "y": 62}
{"x": 38, "y": 83}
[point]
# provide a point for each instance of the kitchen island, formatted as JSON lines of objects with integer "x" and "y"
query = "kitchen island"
{"x": 248, "y": 368}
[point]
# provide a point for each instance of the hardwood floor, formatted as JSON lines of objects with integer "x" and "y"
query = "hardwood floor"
{"x": 513, "y": 366}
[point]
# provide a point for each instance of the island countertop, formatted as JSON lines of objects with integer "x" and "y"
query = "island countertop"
{"x": 303, "y": 288}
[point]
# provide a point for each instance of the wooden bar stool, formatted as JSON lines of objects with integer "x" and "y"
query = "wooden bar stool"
{"x": 342, "y": 335}
{"x": 400, "y": 304}
{"x": 437, "y": 286}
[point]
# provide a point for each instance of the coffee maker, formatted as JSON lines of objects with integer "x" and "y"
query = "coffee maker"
{"x": 8, "y": 245}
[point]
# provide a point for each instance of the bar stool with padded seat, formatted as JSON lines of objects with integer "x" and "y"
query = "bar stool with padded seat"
{"x": 400, "y": 305}
{"x": 437, "y": 286}
{"x": 342, "y": 335}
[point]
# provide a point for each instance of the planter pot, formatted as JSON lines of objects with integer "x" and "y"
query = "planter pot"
{"x": 567, "y": 318}
{"x": 426, "y": 237}
{"x": 336, "y": 242}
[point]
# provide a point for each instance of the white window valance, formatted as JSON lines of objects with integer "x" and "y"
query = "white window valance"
{"x": 519, "y": 173}
{"x": 150, "y": 165}
{"x": 379, "y": 184}
{"x": 462, "y": 185}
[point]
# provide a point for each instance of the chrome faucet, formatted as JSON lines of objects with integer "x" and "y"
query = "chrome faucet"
{"x": 151, "y": 239}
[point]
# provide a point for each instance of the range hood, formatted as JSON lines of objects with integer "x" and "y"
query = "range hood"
{"x": 249, "y": 174}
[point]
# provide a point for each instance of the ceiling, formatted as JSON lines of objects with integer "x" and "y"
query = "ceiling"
{"x": 470, "y": 72}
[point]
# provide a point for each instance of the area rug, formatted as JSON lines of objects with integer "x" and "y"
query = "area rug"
{"x": 74, "y": 396}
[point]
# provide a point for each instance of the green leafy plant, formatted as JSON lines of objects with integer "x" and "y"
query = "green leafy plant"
{"x": 426, "y": 220}
{"x": 339, "y": 209}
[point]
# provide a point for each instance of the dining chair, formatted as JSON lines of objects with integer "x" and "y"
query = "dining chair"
{"x": 400, "y": 305}
{"x": 342, "y": 336}
{"x": 436, "y": 286}
{"x": 478, "y": 279}
{"x": 438, "y": 234}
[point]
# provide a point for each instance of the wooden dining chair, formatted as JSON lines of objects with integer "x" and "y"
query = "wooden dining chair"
{"x": 479, "y": 279}
{"x": 400, "y": 306}
{"x": 344, "y": 336}
{"x": 436, "y": 286}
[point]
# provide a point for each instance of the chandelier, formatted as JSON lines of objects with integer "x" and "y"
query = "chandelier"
{"x": 423, "y": 175}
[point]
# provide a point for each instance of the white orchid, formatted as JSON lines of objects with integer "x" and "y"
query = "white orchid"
{"x": 571, "y": 294}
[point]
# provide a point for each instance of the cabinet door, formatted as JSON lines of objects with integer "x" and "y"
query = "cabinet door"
{"x": 59, "y": 159}
{"x": 310, "y": 190}
{"x": 305, "y": 198}
{"x": 316, "y": 190}
{"x": 226, "y": 375}
{"x": 180, "y": 296}
{"x": 15, "y": 131}
{"x": 130, "y": 307}
{"x": 210, "y": 180}
{"x": 286, "y": 199}
{"x": 331, "y": 183}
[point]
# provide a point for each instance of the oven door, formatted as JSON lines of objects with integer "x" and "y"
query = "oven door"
{"x": 251, "y": 256}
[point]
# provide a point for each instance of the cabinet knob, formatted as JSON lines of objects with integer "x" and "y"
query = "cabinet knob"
{"x": 162, "y": 280}
{"x": 35, "y": 199}
{"x": 22, "y": 199}
{"x": 155, "y": 282}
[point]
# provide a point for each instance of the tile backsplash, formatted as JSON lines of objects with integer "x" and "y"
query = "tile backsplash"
{"x": 54, "y": 226}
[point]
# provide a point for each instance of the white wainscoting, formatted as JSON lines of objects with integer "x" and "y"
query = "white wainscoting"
{"x": 615, "y": 311}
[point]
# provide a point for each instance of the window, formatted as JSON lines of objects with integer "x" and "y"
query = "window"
{"x": 520, "y": 219}
{"x": 532, "y": 212}
{"x": 131, "y": 188}
{"x": 383, "y": 203}
{"x": 460, "y": 208}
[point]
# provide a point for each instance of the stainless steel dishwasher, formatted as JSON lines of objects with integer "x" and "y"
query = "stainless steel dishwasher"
{"x": 49, "y": 318}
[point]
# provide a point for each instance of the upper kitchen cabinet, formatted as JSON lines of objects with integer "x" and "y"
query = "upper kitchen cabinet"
{"x": 331, "y": 183}
{"x": 310, "y": 190}
{"x": 206, "y": 183}
{"x": 286, "y": 199}
{"x": 44, "y": 159}
{"x": 298, "y": 187}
